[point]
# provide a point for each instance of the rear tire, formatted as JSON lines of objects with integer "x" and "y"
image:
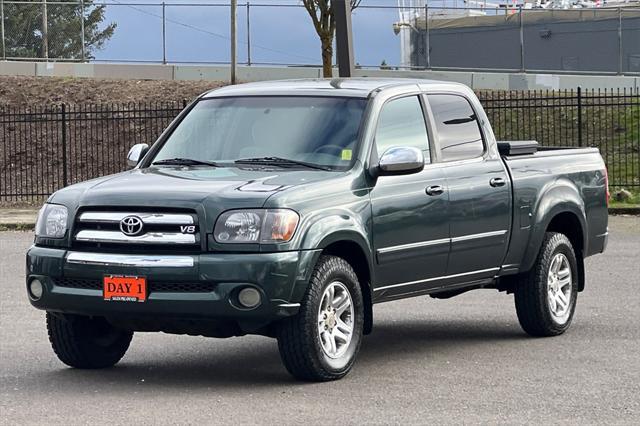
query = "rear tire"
{"x": 85, "y": 342}
{"x": 546, "y": 296}
{"x": 321, "y": 342}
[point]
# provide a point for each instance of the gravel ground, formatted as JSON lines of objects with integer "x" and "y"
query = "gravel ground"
{"x": 463, "y": 360}
{"x": 35, "y": 91}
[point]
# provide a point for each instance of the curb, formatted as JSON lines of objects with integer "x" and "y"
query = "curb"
{"x": 624, "y": 210}
{"x": 17, "y": 226}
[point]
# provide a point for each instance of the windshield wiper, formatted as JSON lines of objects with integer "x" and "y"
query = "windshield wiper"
{"x": 279, "y": 161}
{"x": 185, "y": 162}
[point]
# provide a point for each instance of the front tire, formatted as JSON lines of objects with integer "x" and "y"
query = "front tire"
{"x": 85, "y": 342}
{"x": 546, "y": 296}
{"x": 321, "y": 342}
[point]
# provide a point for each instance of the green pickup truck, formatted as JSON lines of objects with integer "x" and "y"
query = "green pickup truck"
{"x": 289, "y": 209}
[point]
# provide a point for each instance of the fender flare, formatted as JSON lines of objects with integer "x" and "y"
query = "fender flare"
{"x": 342, "y": 228}
{"x": 560, "y": 196}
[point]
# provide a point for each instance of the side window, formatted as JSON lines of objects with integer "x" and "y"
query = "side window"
{"x": 401, "y": 123}
{"x": 457, "y": 126}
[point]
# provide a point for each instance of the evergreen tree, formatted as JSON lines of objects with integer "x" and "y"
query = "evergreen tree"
{"x": 24, "y": 36}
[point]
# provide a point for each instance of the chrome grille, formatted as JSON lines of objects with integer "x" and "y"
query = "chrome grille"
{"x": 114, "y": 229}
{"x": 147, "y": 218}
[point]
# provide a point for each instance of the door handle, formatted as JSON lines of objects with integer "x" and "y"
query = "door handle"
{"x": 434, "y": 190}
{"x": 497, "y": 182}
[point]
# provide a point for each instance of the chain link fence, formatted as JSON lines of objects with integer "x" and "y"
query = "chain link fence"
{"x": 598, "y": 40}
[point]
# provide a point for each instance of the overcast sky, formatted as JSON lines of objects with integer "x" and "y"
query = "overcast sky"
{"x": 278, "y": 34}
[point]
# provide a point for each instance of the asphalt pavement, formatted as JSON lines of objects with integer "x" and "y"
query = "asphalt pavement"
{"x": 462, "y": 360}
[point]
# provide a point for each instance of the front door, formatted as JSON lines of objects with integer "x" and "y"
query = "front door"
{"x": 410, "y": 224}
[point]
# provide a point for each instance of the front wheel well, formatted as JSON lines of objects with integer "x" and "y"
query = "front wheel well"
{"x": 355, "y": 256}
{"x": 567, "y": 223}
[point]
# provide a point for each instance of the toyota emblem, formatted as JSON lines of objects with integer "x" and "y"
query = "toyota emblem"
{"x": 131, "y": 226}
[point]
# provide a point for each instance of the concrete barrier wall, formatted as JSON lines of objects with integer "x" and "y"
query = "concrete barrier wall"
{"x": 476, "y": 80}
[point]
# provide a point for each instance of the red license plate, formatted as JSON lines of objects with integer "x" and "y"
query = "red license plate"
{"x": 124, "y": 289}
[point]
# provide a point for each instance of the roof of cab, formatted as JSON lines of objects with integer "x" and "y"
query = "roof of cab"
{"x": 351, "y": 87}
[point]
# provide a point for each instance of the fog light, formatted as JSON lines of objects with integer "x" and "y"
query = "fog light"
{"x": 36, "y": 289}
{"x": 249, "y": 297}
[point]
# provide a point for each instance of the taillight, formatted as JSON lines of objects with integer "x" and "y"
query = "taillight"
{"x": 606, "y": 184}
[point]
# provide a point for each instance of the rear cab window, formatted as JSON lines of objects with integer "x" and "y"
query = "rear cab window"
{"x": 457, "y": 126}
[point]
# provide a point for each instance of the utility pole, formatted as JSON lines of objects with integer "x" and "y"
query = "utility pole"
{"x": 164, "y": 33}
{"x": 234, "y": 36}
{"x": 344, "y": 37}
{"x": 248, "y": 35}
{"x": 45, "y": 32}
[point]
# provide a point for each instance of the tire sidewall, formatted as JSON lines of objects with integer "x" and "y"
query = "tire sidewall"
{"x": 559, "y": 244}
{"x": 345, "y": 275}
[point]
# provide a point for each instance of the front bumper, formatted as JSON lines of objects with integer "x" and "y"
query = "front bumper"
{"x": 279, "y": 277}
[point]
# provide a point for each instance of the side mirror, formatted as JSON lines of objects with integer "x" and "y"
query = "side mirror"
{"x": 136, "y": 153}
{"x": 400, "y": 161}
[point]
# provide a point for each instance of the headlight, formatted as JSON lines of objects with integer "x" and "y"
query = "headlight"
{"x": 255, "y": 226}
{"x": 52, "y": 221}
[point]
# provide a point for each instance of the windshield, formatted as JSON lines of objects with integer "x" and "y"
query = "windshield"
{"x": 315, "y": 130}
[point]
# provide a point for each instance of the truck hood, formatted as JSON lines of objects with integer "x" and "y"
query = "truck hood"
{"x": 209, "y": 191}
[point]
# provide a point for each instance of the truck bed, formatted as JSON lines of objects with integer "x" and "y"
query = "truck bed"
{"x": 560, "y": 177}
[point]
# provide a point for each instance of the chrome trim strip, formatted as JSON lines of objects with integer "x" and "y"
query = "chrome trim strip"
{"x": 95, "y": 236}
{"x": 147, "y": 218}
{"x": 444, "y": 277}
{"x": 144, "y": 261}
{"x": 409, "y": 246}
{"x": 477, "y": 236}
{"x": 401, "y": 247}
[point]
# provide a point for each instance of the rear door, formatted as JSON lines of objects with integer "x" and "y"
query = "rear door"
{"x": 410, "y": 226}
{"x": 478, "y": 186}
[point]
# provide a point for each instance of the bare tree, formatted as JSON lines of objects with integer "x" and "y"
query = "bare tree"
{"x": 323, "y": 17}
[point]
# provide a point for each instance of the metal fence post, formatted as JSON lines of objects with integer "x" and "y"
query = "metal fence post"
{"x": 45, "y": 31}
{"x": 427, "y": 40}
{"x": 580, "y": 142}
{"x": 248, "y": 36}
{"x": 82, "y": 35}
{"x": 164, "y": 33}
{"x": 522, "y": 68}
{"x": 65, "y": 180}
{"x": 4, "y": 52}
{"x": 619, "y": 40}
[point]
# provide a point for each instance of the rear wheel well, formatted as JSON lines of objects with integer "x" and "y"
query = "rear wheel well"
{"x": 568, "y": 224}
{"x": 355, "y": 256}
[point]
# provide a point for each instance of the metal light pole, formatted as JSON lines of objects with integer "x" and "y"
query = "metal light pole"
{"x": 522, "y": 65}
{"x": 344, "y": 37}
{"x": 620, "y": 51}
{"x": 427, "y": 40}
{"x": 234, "y": 35}
{"x": 45, "y": 32}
